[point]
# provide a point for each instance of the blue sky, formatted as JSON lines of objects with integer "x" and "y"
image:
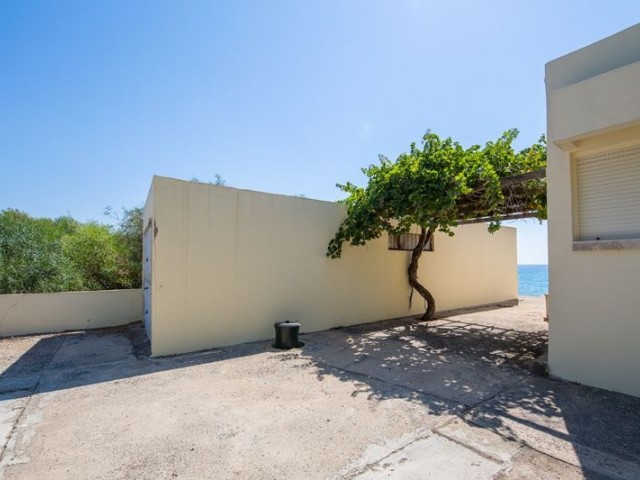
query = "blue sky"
{"x": 278, "y": 96}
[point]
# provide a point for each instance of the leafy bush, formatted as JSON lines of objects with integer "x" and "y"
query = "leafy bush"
{"x": 45, "y": 255}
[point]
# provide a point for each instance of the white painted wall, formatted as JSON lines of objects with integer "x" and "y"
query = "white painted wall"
{"x": 593, "y": 104}
{"x": 228, "y": 263}
{"x": 28, "y": 313}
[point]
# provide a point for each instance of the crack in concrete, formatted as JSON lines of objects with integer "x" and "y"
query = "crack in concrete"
{"x": 5, "y": 447}
{"x": 32, "y": 391}
{"x": 387, "y": 382}
{"x": 7, "y": 313}
{"x": 432, "y": 431}
{"x": 437, "y": 429}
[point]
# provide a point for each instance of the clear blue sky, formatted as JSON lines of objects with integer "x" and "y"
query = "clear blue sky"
{"x": 278, "y": 96}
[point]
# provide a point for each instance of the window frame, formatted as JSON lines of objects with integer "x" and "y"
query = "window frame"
{"x": 578, "y": 243}
{"x": 394, "y": 241}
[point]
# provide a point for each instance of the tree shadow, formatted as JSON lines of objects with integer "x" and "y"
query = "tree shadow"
{"x": 459, "y": 361}
{"x": 477, "y": 371}
{"x": 488, "y": 371}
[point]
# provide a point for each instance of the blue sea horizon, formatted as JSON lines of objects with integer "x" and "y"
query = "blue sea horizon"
{"x": 533, "y": 280}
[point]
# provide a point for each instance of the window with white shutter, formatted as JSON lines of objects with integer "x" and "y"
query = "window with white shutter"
{"x": 608, "y": 194}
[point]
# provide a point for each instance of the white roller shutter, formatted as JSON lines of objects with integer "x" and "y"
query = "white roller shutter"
{"x": 608, "y": 194}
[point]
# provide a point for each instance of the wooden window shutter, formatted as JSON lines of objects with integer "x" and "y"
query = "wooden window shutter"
{"x": 408, "y": 241}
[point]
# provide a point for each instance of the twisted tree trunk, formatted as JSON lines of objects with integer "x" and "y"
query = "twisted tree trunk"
{"x": 425, "y": 236}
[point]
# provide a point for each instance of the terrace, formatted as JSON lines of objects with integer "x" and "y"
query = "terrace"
{"x": 457, "y": 397}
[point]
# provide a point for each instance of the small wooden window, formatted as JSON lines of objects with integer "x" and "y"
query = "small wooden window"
{"x": 408, "y": 241}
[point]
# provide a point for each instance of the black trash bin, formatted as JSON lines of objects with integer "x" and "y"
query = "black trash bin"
{"x": 287, "y": 335}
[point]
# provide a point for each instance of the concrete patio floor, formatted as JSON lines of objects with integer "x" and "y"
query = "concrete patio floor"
{"x": 452, "y": 399}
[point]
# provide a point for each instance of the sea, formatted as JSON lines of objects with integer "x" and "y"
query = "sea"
{"x": 533, "y": 280}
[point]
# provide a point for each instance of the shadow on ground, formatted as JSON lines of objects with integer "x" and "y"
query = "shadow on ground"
{"x": 465, "y": 365}
{"x": 70, "y": 360}
{"x": 489, "y": 369}
{"x": 451, "y": 359}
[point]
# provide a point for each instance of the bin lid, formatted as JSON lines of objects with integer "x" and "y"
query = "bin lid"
{"x": 287, "y": 324}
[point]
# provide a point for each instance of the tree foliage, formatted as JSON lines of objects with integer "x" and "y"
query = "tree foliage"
{"x": 218, "y": 180}
{"x": 31, "y": 257}
{"x": 128, "y": 237}
{"x": 432, "y": 186}
{"x": 45, "y": 255}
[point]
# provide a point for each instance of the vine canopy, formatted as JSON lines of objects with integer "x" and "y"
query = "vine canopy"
{"x": 440, "y": 184}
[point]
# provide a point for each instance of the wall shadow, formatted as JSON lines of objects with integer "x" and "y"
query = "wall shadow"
{"x": 480, "y": 372}
{"x": 70, "y": 360}
{"x": 488, "y": 371}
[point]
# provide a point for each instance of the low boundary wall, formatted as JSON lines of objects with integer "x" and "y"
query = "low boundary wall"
{"x": 29, "y": 313}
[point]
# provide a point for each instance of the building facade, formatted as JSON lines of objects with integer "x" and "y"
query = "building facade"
{"x": 593, "y": 178}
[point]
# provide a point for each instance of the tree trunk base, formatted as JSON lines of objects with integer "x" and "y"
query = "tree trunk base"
{"x": 412, "y": 271}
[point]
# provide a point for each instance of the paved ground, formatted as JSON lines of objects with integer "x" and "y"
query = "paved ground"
{"x": 448, "y": 400}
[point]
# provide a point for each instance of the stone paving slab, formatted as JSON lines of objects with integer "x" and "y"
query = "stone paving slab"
{"x": 585, "y": 427}
{"x": 531, "y": 465}
{"x": 14, "y": 383}
{"x": 393, "y": 400}
{"x": 11, "y": 407}
{"x": 92, "y": 349}
{"x": 433, "y": 457}
{"x": 459, "y": 361}
{"x": 23, "y": 356}
{"x": 491, "y": 444}
{"x": 266, "y": 415}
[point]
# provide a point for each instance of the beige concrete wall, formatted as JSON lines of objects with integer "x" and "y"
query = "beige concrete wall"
{"x": 229, "y": 263}
{"x": 594, "y": 303}
{"x": 22, "y": 314}
{"x": 147, "y": 260}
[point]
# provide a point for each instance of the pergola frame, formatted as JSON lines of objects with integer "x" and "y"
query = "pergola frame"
{"x": 518, "y": 191}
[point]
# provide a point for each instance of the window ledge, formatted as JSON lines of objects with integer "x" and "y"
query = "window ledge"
{"x": 621, "y": 244}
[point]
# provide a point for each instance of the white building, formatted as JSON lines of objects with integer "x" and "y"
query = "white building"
{"x": 593, "y": 178}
